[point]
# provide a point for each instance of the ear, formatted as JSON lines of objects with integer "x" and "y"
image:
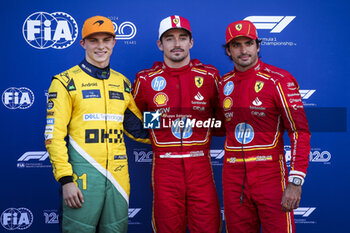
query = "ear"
{"x": 228, "y": 52}
{"x": 191, "y": 43}
{"x": 82, "y": 43}
{"x": 160, "y": 45}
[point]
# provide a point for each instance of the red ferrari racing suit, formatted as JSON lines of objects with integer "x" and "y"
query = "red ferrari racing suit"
{"x": 182, "y": 178}
{"x": 259, "y": 105}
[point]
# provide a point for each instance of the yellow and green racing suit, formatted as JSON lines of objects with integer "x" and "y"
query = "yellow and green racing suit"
{"x": 88, "y": 111}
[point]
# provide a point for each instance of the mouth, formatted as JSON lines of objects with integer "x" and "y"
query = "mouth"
{"x": 244, "y": 57}
{"x": 176, "y": 50}
{"x": 100, "y": 53}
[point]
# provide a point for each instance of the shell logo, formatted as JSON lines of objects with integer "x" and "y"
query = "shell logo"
{"x": 160, "y": 99}
{"x": 227, "y": 103}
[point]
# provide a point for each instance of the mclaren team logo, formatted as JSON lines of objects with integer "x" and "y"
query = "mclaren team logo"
{"x": 258, "y": 86}
{"x": 160, "y": 99}
{"x": 198, "y": 81}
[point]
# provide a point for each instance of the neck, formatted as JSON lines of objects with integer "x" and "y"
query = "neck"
{"x": 177, "y": 64}
{"x": 100, "y": 65}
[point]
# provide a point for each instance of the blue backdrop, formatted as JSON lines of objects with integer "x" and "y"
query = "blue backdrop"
{"x": 40, "y": 38}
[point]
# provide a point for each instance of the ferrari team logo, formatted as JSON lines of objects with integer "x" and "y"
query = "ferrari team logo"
{"x": 238, "y": 27}
{"x": 198, "y": 81}
{"x": 176, "y": 21}
{"x": 258, "y": 86}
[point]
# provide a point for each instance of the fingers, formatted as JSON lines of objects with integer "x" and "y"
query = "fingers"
{"x": 80, "y": 195}
{"x": 290, "y": 204}
{"x": 72, "y": 196}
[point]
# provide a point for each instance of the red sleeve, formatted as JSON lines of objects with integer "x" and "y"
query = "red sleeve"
{"x": 294, "y": 120}
{"x": 137, "y": 92}
{"x": 218, "y": 111}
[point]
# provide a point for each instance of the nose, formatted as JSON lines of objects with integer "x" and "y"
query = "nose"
{"x": 244, "y": 49}
{"x": 177, "y": 42}
{"x": 100, "y": 45}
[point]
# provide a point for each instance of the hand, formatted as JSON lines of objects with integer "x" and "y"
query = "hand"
{"x": 72, "y": 195}
{"x": 291, "y": 197}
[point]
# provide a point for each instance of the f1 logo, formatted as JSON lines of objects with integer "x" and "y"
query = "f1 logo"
{"x": 276, "y": 23}
{"x": 38, "y": 155}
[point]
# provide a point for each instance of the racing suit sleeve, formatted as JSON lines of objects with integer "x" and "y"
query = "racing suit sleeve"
{"x": 294, "y": 120}
{"x": 133, "y": 123}
{"x": 138, "y": 94}
{"x": 58, "y": 117}
{"x": 217, "y": 110}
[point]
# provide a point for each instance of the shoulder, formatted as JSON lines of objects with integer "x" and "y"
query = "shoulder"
{"x": 66, "y": 76}
{"x": 228, "y": 77}
{"x": 275, "y": 74}
{"x": 205, "y": 69}
{"x": 148, "y": 73}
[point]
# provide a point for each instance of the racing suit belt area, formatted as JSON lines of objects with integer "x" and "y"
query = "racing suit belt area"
{"x": 259, "y": 106}
{"x": 94, "y": 112}
{"x": 182, "y": 177}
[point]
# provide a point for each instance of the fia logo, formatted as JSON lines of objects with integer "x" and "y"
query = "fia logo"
{"x": 43, "y": 30}
{"x": 18, "y": 98}
{"x": 16, "y": 219}
{"x": 276, "y": 23}
{"x": 151, "y": 120}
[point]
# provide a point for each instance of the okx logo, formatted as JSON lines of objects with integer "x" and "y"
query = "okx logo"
{"x": 275, "y": 23}
{"x": 43, "y": 30}
{"x": 17, "y": 98}
{"x": 16, "y": 219}
{"x": 151, "y": 120}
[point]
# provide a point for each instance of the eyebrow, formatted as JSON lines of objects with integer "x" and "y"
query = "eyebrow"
{"x": 171, "y": 35}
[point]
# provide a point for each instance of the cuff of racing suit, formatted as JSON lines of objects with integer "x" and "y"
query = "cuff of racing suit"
{"x": 298, "y": 174}
{"x": 65, "y": 180}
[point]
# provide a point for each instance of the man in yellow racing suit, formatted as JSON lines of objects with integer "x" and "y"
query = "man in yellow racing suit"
{"x": 89, "y": 108}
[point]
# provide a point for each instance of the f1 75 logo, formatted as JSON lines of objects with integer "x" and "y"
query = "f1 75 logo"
{"x": 276, "y": 23}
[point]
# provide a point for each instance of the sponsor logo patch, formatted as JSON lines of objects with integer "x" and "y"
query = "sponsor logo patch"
{"x": 52, "y": 95}
{"x": 228, "y": 88}
{"x": 227, "y": 103}
{"x": 91, "y": 94}
{"x": 158, "y": 83}
{"x": 160, "y": 99}
{"x": 116, "y": 95}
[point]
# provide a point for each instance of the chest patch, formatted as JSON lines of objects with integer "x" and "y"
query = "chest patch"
{"x": 116, "y": 95}
{"x": 90, "y": 94}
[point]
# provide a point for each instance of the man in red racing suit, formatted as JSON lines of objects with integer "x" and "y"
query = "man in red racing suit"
{"x": 260, "y": 102}
{"x": 185, "y": 92}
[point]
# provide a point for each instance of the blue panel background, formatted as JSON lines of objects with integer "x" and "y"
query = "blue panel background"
{"x": 319, "y": 59}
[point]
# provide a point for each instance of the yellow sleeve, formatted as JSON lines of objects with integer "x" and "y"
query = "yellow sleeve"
{"x": 59, "y": 110}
